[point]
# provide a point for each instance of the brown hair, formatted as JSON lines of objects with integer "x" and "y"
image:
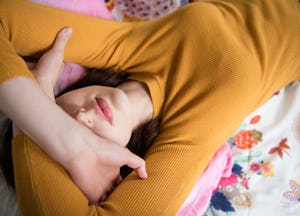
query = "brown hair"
{"x": 141, "y": 138}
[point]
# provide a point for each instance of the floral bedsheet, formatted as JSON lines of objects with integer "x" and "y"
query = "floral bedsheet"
{"x": 265, "y": 177}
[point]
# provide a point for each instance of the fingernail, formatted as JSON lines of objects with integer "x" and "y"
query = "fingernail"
{"x": 68, "y": 31}
{"x": 145, "y": 174}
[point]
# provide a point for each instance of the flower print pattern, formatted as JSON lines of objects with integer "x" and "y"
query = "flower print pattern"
{"x": 147, "y": 9}
{"x": 255, "y": 119}
{"x": 220, "y": 202}
{"x": 229, "y": 180}
{"x": 110, "y": 4}
{"x": 262, "y": 168}
{"x": 292, "y": 196}
{"x": 255, "y": 167}
{"x": 267, "y": 169}
{"x": 246, "y": 139}
{"x": 259, "y": 161}
{"x": 282, "y": 147}
{"x": 244, "y": 199}
{"x": 235, "y": 189}
{"x": 230, "y": 191}
{"x": 245, "y": 182}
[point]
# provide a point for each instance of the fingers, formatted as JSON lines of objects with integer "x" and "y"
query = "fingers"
{"x": 138, "y": 164}
{"x": 141, "y": 172}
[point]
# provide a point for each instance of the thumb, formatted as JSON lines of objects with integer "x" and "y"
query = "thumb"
{"x": 53, "y": 58}
{"x": 61, "y": 40}
{"x": 137, "y": 163}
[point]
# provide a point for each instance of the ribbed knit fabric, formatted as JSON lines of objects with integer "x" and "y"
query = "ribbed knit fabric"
{"x": 207, "y": 65}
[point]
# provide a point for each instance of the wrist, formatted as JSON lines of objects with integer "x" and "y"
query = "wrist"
{"x": 72, "y": 151}
{"x": 35, "y": 119}
{"x": 47, "y": 86}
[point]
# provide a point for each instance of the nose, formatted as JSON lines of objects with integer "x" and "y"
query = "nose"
{"x": 84, "y": 118}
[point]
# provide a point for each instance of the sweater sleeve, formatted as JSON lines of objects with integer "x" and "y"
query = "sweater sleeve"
{"x": 11, "y": 65}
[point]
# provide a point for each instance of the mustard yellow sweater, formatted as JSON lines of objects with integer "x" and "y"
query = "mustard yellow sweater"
{"x": 207, "y": 66}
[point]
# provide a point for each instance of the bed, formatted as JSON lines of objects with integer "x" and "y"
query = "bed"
{"x": 264, "y": 178}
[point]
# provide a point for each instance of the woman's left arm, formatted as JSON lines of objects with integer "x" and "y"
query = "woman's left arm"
{"x": 49, "y": 66}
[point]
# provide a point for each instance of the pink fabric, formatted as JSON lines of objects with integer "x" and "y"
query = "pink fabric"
{"x": 198, "y": 200}
{"x": 71, "y": 73}
{"x": 96, "y": 8}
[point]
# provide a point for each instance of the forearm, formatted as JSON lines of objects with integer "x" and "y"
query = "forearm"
{"x": 47, "y": 88}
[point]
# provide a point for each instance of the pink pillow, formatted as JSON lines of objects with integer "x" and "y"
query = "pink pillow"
{"x": 94, "y": 8}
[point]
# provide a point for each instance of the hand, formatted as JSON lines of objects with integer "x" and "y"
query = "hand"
{"x": 96, "y": 169}
{"x": 50, "y": 65}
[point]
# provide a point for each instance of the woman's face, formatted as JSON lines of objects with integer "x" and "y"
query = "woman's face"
{"x": 104, "y": 110}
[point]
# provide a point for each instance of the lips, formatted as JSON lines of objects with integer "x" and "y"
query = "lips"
{"x": 103, "y": 110}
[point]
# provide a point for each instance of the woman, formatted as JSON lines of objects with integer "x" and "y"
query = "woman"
{"x": 206, "y": 66}
{"x": 114, "y": 85}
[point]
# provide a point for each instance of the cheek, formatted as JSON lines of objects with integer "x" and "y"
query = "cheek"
{"x": 119, "y": 133}
{"x": 126, "y": 136}
{"x": 124, "y": 129}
